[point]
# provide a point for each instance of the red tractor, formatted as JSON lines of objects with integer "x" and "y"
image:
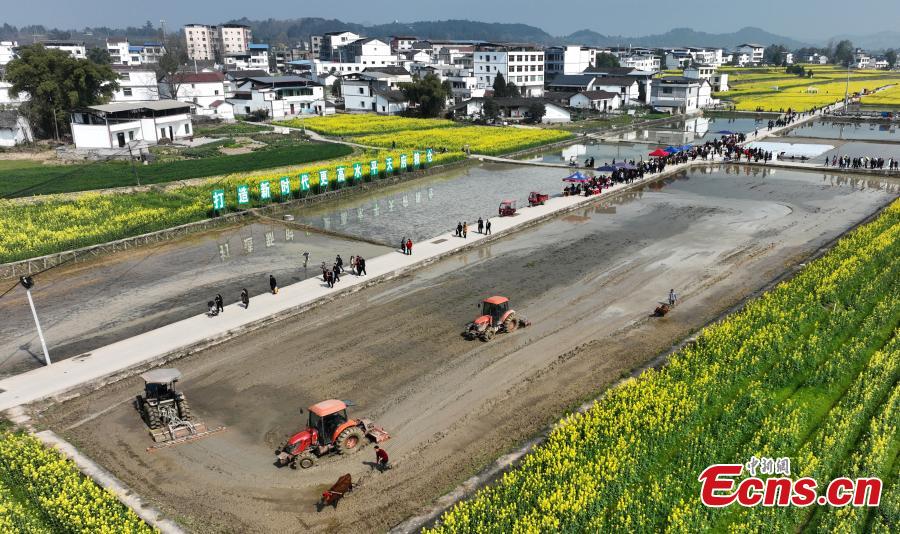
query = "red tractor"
{"x": 329, "y": 430}
{"x": 496, "y": 317}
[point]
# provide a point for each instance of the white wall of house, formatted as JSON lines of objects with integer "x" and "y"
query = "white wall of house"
{"x": 7, "y": 51}
{"x": 582, "y": 101}
{"x": 201, "y": 94}
{"x": 7, "y": 99}
{"x": 523, "y": 66}
{"x": 148, "y": 130}
{"x": 136, "y": 85}
{"x": 17, "y": 134}
{"x": 685, "y": 97}
{"x": 383, "y": 106}
{"x": 277, "y": 104}
{"x": 630, "y": 94}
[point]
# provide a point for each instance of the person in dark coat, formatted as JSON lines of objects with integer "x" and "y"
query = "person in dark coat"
{"x": 273, "y": 285}
{"x": 403, "y": 245}
{"x": 337, "y": 272}
{"x": 220, "y": 304}
{"x": 480, "y": 225}
{"x": 487, "y": 227}
{"x": 339, "y": 262}
{"x": 245, "y": 298}
{"x": 360, "y": 265}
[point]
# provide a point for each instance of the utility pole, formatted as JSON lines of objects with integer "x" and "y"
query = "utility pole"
{"x": 133, "y": 168}
{"x": 27, "y": 282}
{"x": 847, "y": 90}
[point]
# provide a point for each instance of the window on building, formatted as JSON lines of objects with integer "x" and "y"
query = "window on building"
{"x": 126, "y": 91}
{"x": 131, "y": 135}
{"x": 187, "y": 129}
{"x": 124, "y": 75}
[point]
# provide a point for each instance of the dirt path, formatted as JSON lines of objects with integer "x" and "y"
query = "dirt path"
{"x": 587, "y": 280}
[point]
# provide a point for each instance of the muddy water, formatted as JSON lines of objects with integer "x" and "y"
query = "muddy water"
{"x": 848, "y": 131}
{"x": 425, "y": 208}
{"x": 90, "y": 305}
{"x": 586, "y": 279}
{"x": 638, "y": 144}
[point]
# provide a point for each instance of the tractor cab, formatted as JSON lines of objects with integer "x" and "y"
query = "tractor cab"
{"x": 159, "y": 384}
{"x": 495, "y": 308}
{"x": 326, "y": 417}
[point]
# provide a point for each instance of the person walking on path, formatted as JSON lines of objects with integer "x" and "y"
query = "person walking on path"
{"x": 220, "y": 304}
{"x": 381, "y": 459}
{"x": 353, "y": 262}
{"x": 337, "y": 272}
{"x": 465, "y": 229}
{"x": 339, "y": 263}
{"x": 459, "y": 229}
{"x": 480, "y": 225}
{"x": 245, "y": 298}
{"x": 487, "y": 227}
{"x": 673, "y": 298}
{"x": 403, "y": 245}
{"x": 329, "y": 278}
{"x": 360, "y": 266}
{"x": 273, "y": 285}
{"x": 305, "y": 259}
{"x": 409, "y": 247}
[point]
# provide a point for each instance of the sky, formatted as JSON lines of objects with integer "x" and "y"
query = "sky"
{"x": 811, "y": 20}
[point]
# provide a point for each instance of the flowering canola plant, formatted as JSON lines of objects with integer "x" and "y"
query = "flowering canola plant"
{"x": 68, "y": 500}
{"x": 488, "y": 140}
{"x": 808, "y": 370}
{"x": 345, "y": 124}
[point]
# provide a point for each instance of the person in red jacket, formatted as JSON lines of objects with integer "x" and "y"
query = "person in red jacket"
{"x": 409, "y": 247}
{"x": 381, "y": 458}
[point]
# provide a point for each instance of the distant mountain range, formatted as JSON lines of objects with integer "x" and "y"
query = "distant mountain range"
{"x": 876, "y": 41}
{"x": 287, "y": 30}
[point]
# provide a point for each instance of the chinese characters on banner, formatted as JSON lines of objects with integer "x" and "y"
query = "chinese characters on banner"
{"x": 219, "y": 201}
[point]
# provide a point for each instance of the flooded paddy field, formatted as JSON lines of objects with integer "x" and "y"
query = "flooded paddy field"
{"x": 846, "y": 131}
{"x": 587, "y": 280}
{"x": 88, "y": 305}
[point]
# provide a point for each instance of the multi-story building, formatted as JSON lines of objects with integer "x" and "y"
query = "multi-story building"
{"x": 523, "y": 65}
{"x": 678, "y": 94}
{"x": 315, "y": 46}
{"x": 209, "y": 43}
{"x": 235, "y": 38}
{"x": 333, "y": 42}
{"x": 202, "y": 42}
{"x": 135, "y": 84}
{"x": 256, "y": 57}
{"x": 755, "y": 51}
{"x": 717, "y": 80}
{"x": 7, "y": 51}
{"x": 568, "y": 60}
{"x": 641, "y": 62}
{"x": 202, "y": 89}
{"x": 277, "y": 96}
{"x": 463, "y": 84}
{"x": 376, "y": 90}
{"x": 399, "y": 43}
{"x": 75, "y": 49}
{"x": 352, "y": 57}
{"x": 122, "y": 52}
{"x": 862, "y": 60}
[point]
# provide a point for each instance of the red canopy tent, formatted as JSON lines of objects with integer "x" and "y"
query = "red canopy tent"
{"x": 659, "y": 153}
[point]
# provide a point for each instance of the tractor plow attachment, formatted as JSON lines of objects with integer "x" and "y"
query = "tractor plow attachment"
{"x": 165, "y": 437}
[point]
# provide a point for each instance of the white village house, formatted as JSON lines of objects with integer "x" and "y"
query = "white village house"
{"x": 14, "y": 129}
{"x": 376, "y": 89}
{"x": 142, "y": 123}
{"x": 514, "y": 109}
{"x": 198, "y": 88}
{"x": 135, "y": 84}
{"x": 677, "y": 94}
{"x": 277, "y": 96}
{"x": 604, "y": 101}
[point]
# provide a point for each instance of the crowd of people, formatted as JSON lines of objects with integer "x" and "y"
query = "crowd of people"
{"x": 865, "y": 162}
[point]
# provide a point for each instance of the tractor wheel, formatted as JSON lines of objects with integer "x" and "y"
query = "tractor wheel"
{"x": 304, "y": 460}
{"x": 152, "y": 416}
{"x": 184, "y": 409}
{"x": 350, "y": 440}
{"x": 511, "y": 323}
{"x": 488, "y": 334}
